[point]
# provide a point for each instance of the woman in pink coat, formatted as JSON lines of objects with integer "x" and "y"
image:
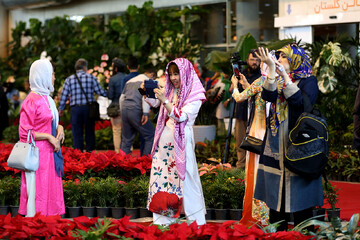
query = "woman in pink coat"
{"x": 39, "y": 114}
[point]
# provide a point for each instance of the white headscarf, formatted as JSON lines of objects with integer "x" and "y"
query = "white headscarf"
{"x": 40, "y": 78}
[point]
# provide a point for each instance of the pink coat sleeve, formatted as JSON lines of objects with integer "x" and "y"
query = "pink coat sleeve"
{"x": 28, "y": 114}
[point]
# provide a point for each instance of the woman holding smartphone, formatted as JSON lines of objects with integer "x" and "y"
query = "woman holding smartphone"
{"x": 174, "y": 181}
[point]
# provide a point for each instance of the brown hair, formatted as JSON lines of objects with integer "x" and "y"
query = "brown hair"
{"x": 173, "y": 67}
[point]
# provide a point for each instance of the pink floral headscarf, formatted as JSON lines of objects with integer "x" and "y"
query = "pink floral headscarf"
{"x": 190, "y": 90}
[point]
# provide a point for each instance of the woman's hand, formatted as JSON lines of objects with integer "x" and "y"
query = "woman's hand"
{"x": 160, "y": 94}
{"x": 280, "y": 69}
{"x": 234, "y": 81}
{"x": 243, "y": 81}
{"x": 60, "y": 134}
{"x": 54, "y": 142}
{"x": 265, "y": 57}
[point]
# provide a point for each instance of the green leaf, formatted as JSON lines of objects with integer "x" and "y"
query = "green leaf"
{"x": 134, "y": 42}
{"x": 244, "y": 45}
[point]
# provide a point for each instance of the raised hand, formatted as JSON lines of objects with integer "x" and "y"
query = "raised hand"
{"x": 265, "y": 57}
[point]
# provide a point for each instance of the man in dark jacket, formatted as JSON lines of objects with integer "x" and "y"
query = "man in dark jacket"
{"x": 115, "y": 89}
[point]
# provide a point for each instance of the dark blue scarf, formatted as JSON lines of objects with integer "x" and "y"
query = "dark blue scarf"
{"x": 58, "y": 158}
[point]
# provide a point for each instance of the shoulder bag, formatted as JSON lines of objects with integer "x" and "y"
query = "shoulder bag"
{"x": 308, "y": 147}
{"x": 113, "y": 110}
{"x": 24, "y": 156}
{"x": 250, "y": 143}
{"x": 94, "y": 108}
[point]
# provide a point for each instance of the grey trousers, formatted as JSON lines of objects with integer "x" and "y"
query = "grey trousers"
{"x": 131, "y": 124}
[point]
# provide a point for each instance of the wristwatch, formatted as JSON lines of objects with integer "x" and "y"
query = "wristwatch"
{"x": 166, "y": 102}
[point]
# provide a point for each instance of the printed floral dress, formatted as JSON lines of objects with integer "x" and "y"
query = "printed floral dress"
{"x": 254, "y": 210}
{"x": 168, "y": 194}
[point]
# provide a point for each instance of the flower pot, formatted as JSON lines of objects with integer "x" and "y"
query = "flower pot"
{"x": 332, "y": 213}
{"x": 14, "y": 210}
{"x": 210, "y": 215}
{"x": 89, "y": 211}
{"x": 319, "y": 213}
{"x": 235, "y": 214}
{"x": 117, "y": 212}
{"x": 4, "y": 210}
{"x": 144, "y": 212}
{"x": 132, "y": 212}
{"x": 202, "y": 132}
{"x": 221, "y": 214}
{"x": 74, "y": 212}
{"x": 102, "y": 212}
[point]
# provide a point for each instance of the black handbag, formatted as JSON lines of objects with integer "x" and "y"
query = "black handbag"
{"x": 250, "y": 143}
{"x": 113, "y": 110}
{"x": 94, "y": 108}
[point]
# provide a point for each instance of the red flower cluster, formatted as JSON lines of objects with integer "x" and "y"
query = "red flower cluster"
{"x": 166, "y": 204}
{"x": 98, "y": 125}
{"x": 77, "y": 162}
{"x": 102, "y": 124}
{"x": 56, "y": 228}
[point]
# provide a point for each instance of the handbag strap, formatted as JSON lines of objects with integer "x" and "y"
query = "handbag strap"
{"x": 252, "y": 113}
{"x": 29, "y": 136}
{"x": 87, "y": 100}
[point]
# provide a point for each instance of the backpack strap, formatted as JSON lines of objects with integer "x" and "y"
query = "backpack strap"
{"x": 308, "y": 107}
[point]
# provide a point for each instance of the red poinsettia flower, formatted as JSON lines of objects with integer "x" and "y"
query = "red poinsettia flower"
{"x": 167, "y": 204}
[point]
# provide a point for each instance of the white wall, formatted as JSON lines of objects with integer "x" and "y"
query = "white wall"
{"x": 317, "y": 12}
{"x": 304, "y": 34}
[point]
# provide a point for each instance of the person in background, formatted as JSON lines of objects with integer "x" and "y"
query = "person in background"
{"x": 174, "y": 177}
{"x": 12, "y": 93}
{"x": 39, "y": 114}
{"x": 79, "y": 106}
{"x": 114, "y": 92}
{"x": 4, "y": 108}
{"x": 251, "y": 73}
{"x": 356, "y": 117}
{"x": 284, "y": 192}
{"x": 135, "y": 112}
{"x": 219, "y": 95}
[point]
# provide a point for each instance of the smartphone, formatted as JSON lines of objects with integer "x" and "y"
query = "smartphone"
{"x": 273, "y": 55}
{"x": 150, "y": 85}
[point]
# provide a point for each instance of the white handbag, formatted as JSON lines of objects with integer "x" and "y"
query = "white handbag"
{"x": 24, "y": 156}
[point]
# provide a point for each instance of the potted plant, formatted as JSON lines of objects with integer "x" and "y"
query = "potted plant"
{"x": 13, "y": 194}
{"x": 117, "y": 199}
{"x": 129, "y": 193}
{"x": 72, "y": 195}
{"x": 236, "y": 187}
{"x": 331, "y": 196}
{"x": 87, "y": 196}
{"x": 141, "y": 194}
{"x": 205, "y": 127}
{"x": 4, "y": 209}
{"x": 104, "y": 193}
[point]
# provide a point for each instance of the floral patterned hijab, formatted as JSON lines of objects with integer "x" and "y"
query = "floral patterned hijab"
{"x": 190, "y": 90}
{"x": 300, "y": 67}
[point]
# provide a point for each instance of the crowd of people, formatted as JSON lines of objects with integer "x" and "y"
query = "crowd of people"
{"x": 269, "y": 99}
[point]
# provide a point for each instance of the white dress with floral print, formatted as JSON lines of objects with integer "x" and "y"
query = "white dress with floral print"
{"x": 164, "y": 177}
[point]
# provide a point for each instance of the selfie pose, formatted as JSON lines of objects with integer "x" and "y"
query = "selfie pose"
{"x": 175, "y": 185}
{"x": 284, "y": 191}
